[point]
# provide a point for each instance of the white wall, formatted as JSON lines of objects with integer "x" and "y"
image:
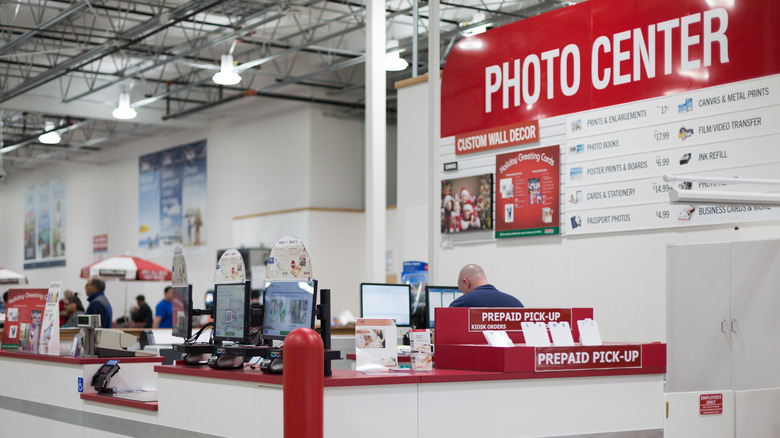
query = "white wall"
{"x": 263, "y": 155}
{"x": 621, "y": 275}
{"x": 337, "y": 151}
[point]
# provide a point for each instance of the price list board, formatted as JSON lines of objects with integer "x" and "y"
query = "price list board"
{"x": 616, "y": 157}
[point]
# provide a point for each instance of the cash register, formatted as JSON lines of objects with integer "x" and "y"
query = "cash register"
{"x": 100, "y": 342}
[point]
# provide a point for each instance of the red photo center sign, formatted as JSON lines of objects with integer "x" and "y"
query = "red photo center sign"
{"x": 601, "y": 53}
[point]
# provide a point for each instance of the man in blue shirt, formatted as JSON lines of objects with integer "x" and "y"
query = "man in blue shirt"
{"x": 163, "y": 313}
{"x": 98, "y": 303}
{"x": 477, "y": 292}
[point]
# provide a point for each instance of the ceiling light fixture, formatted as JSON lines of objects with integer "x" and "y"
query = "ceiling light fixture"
{"x": 227, "y": 74}
{"x": 123, "y": 111}
{"x": 476, "y": 26}
{"x": 698, "y": 197}
{"x": 393, "y": 60}
{"x": 50, "y": 136}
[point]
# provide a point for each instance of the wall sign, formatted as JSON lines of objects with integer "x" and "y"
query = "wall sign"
{"x": 484, "y": 319}
{"x": 172, "y": 199}
{"x": 647, "y": 89}
{"x": 44, "y": 224}
{"x": 467, "y": 204}
{"x": 711, "y": 404}
{"x": 593, "y": 55}
{"x": 579, "y": 358}
{"x": 495, "y": 138}
{"x": 528, "y": 195}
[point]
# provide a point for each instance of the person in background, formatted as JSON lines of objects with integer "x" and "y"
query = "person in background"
{"x": 142, "y": 313}
{"x": 163, "y": 313}
{"x": 74, "y": 308}
{"x": 63, "y": 303}
{"x": 98, "y": 303}
{"x": 477, "y": 292}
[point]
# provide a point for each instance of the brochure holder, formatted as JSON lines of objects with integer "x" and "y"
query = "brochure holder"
{"x": 422, "y": 351}
{"x": 376, "y": 345}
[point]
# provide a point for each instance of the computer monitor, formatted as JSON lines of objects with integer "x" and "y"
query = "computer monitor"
{"x": 288, "y": 305}
{"x": 231, "y": 312}
{"x": 182, "y": 311}
{"x": 439, "y": 296}
{"x": 383, "y": 301}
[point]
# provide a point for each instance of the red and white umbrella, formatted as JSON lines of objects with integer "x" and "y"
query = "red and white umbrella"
{"x": 127, "y": 268}
{"x": 8, "y": 276}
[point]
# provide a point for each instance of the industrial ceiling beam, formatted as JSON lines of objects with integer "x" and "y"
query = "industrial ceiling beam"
{"x": 140, "y": 31}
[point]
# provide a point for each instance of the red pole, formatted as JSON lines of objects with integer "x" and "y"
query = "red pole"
{"x": 304, "y": 382}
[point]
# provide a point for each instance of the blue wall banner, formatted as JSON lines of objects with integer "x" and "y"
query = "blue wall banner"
{"x": 44, "y": 225}
{"x": 172, "y": 199}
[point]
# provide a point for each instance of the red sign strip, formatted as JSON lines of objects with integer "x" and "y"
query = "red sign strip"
{"x": 495, "y": 138}
{"x": 580, "y": 358}
{"x": 594, "y": 54}
{"x": 509, "y": 319}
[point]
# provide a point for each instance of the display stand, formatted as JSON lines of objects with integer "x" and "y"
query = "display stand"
{"x": 290, "y": 263}
{"x": 461, "y": 344}
{"x": 231, "y": 354}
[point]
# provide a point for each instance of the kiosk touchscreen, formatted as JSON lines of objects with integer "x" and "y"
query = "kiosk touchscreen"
{"x": 439, "y": 296}
{"x": 182, "y": 311}
{"x": 231, "y": 312}
{"x": 383, "y": 301}
{"x": 287, "y": 306}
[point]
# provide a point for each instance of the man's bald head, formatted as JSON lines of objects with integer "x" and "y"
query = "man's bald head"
{"x": 470, "y": 277}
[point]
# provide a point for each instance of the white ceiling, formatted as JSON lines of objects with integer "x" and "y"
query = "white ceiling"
{"x": 67, "y": 62}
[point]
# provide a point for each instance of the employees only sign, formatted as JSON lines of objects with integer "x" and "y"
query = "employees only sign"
{"x": 710, "y": 404}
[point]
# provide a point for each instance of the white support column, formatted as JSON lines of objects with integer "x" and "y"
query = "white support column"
{"x": 376, "y": 126}
{"x": 434, "y": 132}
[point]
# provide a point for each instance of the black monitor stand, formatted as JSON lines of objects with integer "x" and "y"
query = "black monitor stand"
{"x": 323, "y": 314}
{"x": 231, "y": 357}
{"x": 196, "y": 354}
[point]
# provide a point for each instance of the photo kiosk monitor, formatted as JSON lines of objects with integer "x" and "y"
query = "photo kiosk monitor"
{"x": 439, "y": 296}
{"x": 182, "y": 311}
{"x": 288, "y": 305}
{"x": 383, "y": 301}
{"x": 231, "y": 312}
